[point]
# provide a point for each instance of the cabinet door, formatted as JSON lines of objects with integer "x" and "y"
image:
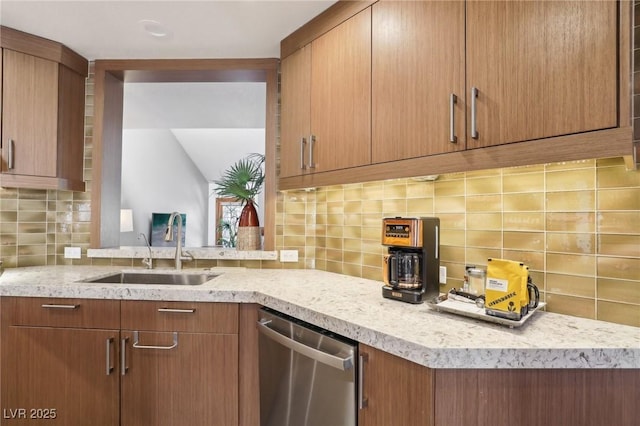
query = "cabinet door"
{"x": 341, "y": 95}
{"x": 542, "y": 68}
{"x": 193, "y": 383}
{"x": 61, "y": 376}
{"x": 295, "y": 112}
{"x": 397, "y": 391}
{"x": 417, "y": 65}
{"x": 29, "y": 114}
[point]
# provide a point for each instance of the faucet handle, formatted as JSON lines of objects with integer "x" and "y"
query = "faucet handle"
{"x": 148, "y": 262}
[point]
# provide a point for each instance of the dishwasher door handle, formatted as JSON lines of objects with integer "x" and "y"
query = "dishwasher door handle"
{"x": 337, "y": 362}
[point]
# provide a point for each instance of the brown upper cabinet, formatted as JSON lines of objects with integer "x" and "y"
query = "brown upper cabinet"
{"x": 417, "y": 79}
{"x": 459, "y": 86}
{"x": 326, "y": 101}
{"x": 540, "y": 69}
{"x": 43, "y": 89}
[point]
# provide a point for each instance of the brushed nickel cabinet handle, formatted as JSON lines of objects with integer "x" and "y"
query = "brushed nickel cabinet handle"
{"x": 123, "y": 356}
{"x": 474, "y": 112}
{"x": 136, "y": 341}
{"x": 453, "y": 99}
{"x": 10, "y": 155}
{"x": 312, "y": 142}
{"x": 303, "y": 142}
{"x": 177, "y": 311}
{"x": 57, "y": 306}
{"x": 362, "y": 401}
{"x": 108, "y": 357}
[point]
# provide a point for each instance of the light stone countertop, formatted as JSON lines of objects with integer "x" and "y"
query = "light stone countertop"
{"x": 354, "y": 307}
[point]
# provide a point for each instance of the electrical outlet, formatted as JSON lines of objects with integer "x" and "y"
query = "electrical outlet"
{"x": 443, "y": 275}
{"x": 288, "y": 255}
{"x": 72, "y": 253}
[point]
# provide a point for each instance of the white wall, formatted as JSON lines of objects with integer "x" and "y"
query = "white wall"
{"x": 164, "y": 179}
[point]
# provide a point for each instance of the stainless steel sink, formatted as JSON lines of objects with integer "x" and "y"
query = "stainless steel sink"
{"x": 154, "y": 278}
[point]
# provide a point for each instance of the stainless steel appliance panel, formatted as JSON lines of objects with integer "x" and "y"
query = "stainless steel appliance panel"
{"x": 307, "y": 375}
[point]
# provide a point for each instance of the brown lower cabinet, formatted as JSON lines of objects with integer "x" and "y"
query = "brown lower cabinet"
{"x": 398, "y": 391}
{"x": 80, "y": 362}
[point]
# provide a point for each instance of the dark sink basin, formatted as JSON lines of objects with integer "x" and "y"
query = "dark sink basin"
{"x": 154, "y": 278}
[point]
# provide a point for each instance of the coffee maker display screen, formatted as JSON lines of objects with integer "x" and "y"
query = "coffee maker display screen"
{"x": 398, "y": 231}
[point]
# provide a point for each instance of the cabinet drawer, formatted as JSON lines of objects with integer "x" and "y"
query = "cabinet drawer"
{"x": 180, "y": 316}
{"x": 55, "y": 312}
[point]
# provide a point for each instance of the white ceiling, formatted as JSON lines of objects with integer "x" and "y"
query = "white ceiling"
{"x": 99, "y": 29}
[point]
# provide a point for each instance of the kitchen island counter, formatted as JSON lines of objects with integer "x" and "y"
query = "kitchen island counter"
{"x": 354, "y": 307}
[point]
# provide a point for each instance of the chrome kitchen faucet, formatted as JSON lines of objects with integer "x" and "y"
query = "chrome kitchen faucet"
{"x": 168, "y": 236}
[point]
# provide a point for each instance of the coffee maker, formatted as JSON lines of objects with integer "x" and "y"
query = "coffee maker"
{"x": 411, "y": 269}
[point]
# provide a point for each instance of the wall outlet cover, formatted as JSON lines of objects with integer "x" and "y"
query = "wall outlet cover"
{"x": 288, "y": 255}
{"x": 72, "y": 253}
{"x": 443, "y": 275}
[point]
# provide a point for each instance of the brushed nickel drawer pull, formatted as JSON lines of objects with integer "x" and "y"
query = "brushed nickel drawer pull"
{"x": 136, "y": 345}
{"x": 312, "y": 143}
{"x": 303, "y": 142}
{"x": 123, "y": 356}
{"x": 57, "y": 306}
{"x": 362, "y": 401}
{"x": 474, "y": 112}
{"x": 10, "y": 155}
{"x": 453, "y": 99}
{"x": 177, "y": 311}
{"x": 109, "y": 367}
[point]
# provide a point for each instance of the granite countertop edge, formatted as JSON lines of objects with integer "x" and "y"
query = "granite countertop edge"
{"x": 354, "y": 307}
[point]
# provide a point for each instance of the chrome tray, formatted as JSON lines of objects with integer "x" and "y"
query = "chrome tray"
{"x": 472, "y": 311}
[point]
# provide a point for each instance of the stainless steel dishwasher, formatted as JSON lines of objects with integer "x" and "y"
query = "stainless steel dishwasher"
{"x": 307, "y": 374}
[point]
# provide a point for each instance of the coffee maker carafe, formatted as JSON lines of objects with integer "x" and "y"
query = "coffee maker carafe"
{"x": 411, "y": 267}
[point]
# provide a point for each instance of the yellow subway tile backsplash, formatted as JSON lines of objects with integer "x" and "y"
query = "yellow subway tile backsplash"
{"x": 571, "y": 305}
{"x": 617, "y": 177}
{"x": 571, "y": 179}
{"x": 571, "y": 242}
{"x": 484, "y": 203}
{"x": 526, "y": 182}
{"x": 452, "y": 237}
{"x": 484, "y": 185}
{"x": 484, "y": 221}
{"x": 523, "y": 202}
{"x": 449, "y": 204}
{"x": 570, "y": 222}
{"x": 487, "y": 239}
{"x": 523, "y": 240}
{"x": 567, "y": 201}
{"x": 571, "y": 285}
{"x": 394, "y": 207}
{"x": 533, "y": 259}
{"x": 395, "y": 189}
{"x": 627, "y": 291}
{"x": 624, "y": 268}
{"x": 619, "y": 199}
{"x": 449, "y": 188}
{"x": 621, "y": 313}
{"x": 417, "y": 207}
{"x": 420, "y": 189}
{"x": 619, "y": 222}
{"x": 619, "y": 245}
{"x": 571, "y": 264}
{"x": 526, "y": 221}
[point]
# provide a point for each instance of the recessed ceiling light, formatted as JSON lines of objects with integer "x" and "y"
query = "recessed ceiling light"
{"x": 154, "y": 28}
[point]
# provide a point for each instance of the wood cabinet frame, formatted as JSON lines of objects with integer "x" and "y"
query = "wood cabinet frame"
{"x": 110, "y": 76}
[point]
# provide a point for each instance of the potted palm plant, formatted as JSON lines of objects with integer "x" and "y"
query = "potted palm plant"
{"x": 243, "y": 181}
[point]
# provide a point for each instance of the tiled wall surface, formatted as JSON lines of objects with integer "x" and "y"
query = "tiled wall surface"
{"x": 577, "y": 226}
